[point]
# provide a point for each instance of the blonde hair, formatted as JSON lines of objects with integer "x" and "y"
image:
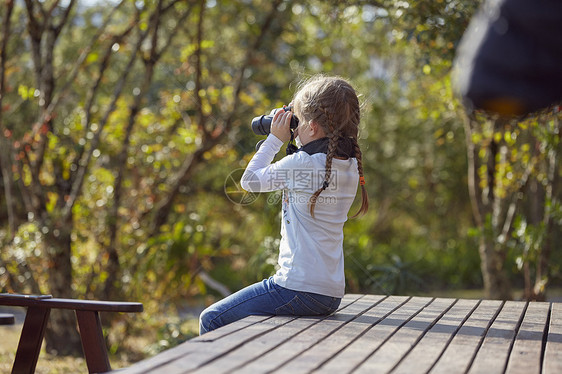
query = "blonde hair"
{"x": 332, "y": 103}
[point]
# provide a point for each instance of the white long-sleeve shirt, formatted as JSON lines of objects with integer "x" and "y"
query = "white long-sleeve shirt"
{"x": 311, "y": 251}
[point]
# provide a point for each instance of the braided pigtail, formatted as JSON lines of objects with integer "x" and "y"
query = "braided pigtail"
{"x": 332, "y": 104}
{"x": 332, "y": 147}
{"x": 364, "y": 197}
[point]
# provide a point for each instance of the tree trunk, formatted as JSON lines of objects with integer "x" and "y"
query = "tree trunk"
{"x": 552, "y": 199}
{"x": 488, "y": 213}
{"x": 61, "y": 336}
{"x": 496, "y": 283}
{"x": 5, "y": 145}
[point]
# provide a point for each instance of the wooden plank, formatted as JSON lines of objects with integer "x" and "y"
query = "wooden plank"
{"x": 233, "y": 327}
{"x": 18, "y": 296}
{"x": 278, "y": 358}
{"x": 400, "y": 344}
{"x": 552, "y": 363}
{"x": 314, "y": 358}
{"x": 525, "y": 357}
{"x": 361, "y": 348}
{"x": 494, "y": 352}
{"x": 227, "y": 337}
{"x": 459, "y": 353}
{"x": 208, "y": 353}
{"x": 357, "y": 328}
{"x": 201, "y": 356}
{"x": 153, "y": 364}
{"x": 339, "y": 341}
{"x": 260, "y": 346}
{"x": 185, "y": 350}
{"x": 426, "y": 353}
{"x": 313, "y": 340}
{"x": 46, "y": 301}
{"x": 380, "y": 334}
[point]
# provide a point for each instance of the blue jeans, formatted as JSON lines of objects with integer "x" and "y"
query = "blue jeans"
{"x": 265, "y": 299}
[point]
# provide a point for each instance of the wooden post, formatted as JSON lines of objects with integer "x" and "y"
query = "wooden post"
{"x": 31, "y": 338}
{"x": 93, "y": 342}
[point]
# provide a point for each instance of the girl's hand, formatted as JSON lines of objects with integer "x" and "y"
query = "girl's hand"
{"x": 280, "y": 126}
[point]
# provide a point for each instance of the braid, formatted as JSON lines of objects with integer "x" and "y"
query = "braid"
{"x": 358, "y": 156}
{"x": 333, "y": 104}
{"x": 332, "y": 147}
{"x": 364, "y": 196}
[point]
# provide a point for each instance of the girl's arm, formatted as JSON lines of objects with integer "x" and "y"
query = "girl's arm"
{"x": 260, "y": 174}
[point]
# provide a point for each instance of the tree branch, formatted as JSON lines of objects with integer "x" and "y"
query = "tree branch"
{"x": 198, "y": 71}
{"x": 58, "y": 28}
{"x": 153, "y": 58}
{"x": 85, "y": 160}
{"x": 35, "y": 30}
{"x": 113, "y": 263}
{"x": 209, "y": 141}
{"x": 75, "y": 69}
{"x": 92, "y": 92}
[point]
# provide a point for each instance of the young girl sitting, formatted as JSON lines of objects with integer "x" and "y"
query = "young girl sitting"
{"x": 319, "y": 184}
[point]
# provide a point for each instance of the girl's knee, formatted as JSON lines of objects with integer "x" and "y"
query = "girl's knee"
{"x": 204, "y": 322}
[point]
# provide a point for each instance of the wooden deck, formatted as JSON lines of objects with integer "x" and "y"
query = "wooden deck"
{"x": 380, "y": 334}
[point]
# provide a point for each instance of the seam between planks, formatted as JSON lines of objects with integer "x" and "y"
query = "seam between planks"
{"x": 268, "y": 331}
{"x": 242, "y": 342}
{"x": 516, "y": 332}
{"x": 484, "y": 336}
{"x": 392, "y": 334}
{"x": 235, "y": 347}
{"x": 545, "y": 337}
{"x": 362, "y": 332}
{"x": 201, "y": 338}
{"x": 454, "y": 334}
{"x": 332, "y": 332}
{"x": 438, "y": 318}
{"x": 178, "y": 356}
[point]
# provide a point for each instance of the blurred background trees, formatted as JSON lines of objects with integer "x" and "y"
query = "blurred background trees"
{"x": 123, "y": 125}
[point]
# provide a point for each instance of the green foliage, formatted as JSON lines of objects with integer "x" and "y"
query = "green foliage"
{"x": 169, "y": 335}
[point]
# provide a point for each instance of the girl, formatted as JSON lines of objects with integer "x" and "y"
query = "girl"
{"x": 319, "y": 184}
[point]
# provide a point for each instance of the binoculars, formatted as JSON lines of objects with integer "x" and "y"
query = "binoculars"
{"x": 262, "y": 125}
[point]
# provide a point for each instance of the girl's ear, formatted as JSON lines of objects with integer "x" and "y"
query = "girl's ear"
{"x": 315, "y": 129}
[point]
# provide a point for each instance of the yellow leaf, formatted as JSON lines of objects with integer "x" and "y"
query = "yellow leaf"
{"x": 92, "y": 57}
{"x": 23, "y": 91}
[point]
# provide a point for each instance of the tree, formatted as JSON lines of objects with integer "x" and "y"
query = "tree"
{"x": 53, "y": 161}
{"x": 50, "y": 164}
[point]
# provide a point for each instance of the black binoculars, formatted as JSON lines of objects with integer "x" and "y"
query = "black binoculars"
{"x": 262, "y": 125}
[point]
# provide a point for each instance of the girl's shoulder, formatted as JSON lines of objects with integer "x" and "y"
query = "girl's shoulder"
{"x": 299, "y": 159}
{"x": 316, "y": 160}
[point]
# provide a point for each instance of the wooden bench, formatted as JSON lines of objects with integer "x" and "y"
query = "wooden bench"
{"x": 380, "y": 334}
{"x": 87, "y": 314}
